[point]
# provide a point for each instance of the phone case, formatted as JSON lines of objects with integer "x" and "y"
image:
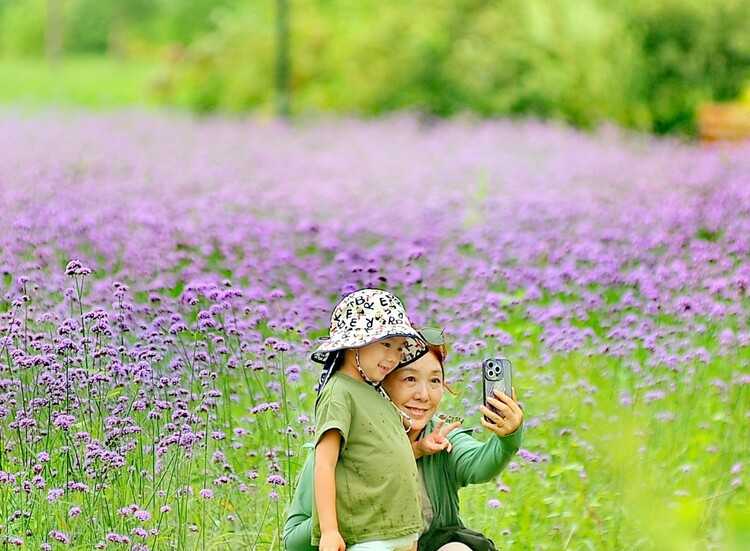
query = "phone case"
{"x": 496, "y": 374}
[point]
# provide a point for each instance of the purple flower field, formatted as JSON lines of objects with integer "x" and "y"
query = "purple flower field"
{"x": 163, "y": 280}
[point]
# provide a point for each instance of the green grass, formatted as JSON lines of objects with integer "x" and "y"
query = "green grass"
{"x": 94, "y": 82}
{"x": 618, "y": 476}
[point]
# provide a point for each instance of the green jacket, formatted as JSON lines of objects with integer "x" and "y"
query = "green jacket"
{"x": 470, "y": 462}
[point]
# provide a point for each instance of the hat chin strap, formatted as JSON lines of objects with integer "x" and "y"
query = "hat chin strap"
{"x": 361, "y": 372}
{"x": 380, "y": 389}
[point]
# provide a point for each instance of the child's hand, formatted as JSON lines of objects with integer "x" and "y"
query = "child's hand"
{"x": 436, "y": 441}
{"x": 331, "y": 541}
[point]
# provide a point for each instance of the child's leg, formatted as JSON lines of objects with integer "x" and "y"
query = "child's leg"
{"x": 406, "y": 543}
{"x": 370, "y": 546}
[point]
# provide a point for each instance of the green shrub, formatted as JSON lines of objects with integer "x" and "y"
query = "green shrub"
{"x": 645, "y": 65}
{"x": 22, "y": 27}
{"x": 693, "y": 52}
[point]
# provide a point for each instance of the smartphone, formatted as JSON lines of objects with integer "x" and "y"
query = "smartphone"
{"x": 496, "y": 374}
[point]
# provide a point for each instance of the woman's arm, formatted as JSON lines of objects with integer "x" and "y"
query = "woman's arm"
{"x": 326, "y": 457}
{"x": 298, "y": 524}
{"x": 474, "y": 462}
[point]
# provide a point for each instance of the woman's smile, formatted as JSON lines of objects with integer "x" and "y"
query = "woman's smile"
{"x": 417, "y": 411}
{"x": 417, "y": 389}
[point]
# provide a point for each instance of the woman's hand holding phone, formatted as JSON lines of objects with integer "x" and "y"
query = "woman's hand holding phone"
{"x": 505, "y": 415}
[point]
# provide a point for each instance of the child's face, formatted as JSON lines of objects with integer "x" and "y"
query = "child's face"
{"x": 380, "y": 358}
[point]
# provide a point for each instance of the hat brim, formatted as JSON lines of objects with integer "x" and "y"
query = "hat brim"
{"x": 415, "y": 346}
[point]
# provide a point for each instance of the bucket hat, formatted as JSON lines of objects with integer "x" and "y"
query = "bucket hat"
{"x": 367, "y": 316}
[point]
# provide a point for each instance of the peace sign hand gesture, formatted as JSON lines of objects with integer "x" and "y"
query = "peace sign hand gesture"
{"x": 436, "y": 441}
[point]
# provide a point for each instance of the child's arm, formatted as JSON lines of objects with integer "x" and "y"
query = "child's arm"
{"x": 326, "y": 457}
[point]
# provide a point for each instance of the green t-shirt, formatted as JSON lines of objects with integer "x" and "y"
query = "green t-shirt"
{"x": 377, "y": 485}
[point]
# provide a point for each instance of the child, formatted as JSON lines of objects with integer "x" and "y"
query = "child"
{"x": 366, "y": 486}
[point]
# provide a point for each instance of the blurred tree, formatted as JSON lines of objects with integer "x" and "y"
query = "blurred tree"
{"x": 640, "y": 63}
{"x": 104, "y": 26}
{"x": 182, "y": 21}
{"x": 695, "y": 52}
{"x": 23, "y": 27}
{"x": 53, "y": 37}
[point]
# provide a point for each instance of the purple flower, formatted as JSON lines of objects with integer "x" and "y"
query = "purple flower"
{"x": 64, "y": 421}
{"x": 653, "y": 395}
{"x": 54, "y": 494}
{"x": 726, "y": 337}
{"x": 293, "y": 373}
{"x": 141, "y": 515}
{"x": 56, "y": 535}
{"x": 72, "y": 268}
{"x": 276, "y": 480}
{"x": 117, "y": 538}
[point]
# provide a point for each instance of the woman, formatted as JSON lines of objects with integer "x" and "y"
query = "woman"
{"x": 447, "y": 459}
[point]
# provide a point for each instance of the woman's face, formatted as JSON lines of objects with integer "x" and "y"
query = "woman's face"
{"x": 417, "y": 389}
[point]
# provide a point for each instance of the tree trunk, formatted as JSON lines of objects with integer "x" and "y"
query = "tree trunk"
{"x": 283, "y": 61}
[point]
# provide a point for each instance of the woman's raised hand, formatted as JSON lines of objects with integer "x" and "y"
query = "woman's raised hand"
{"x": 510, "y": 414}
{"x": 435, "y": 441}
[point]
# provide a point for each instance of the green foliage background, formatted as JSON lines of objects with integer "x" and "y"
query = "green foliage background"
{"x": 639, "y": 63}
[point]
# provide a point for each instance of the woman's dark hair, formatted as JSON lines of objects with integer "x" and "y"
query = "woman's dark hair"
{"x": 440, "y": 351}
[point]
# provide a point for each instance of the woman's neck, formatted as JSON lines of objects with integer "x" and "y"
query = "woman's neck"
{"x": 414, "y": 435}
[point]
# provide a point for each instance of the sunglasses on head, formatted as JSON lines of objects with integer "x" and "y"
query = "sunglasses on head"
{"x": 433, "y": 335}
